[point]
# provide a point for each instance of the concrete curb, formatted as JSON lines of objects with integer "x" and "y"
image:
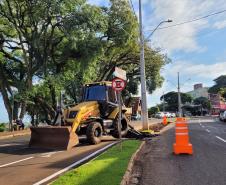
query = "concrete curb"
{"x": 127, "y": 175}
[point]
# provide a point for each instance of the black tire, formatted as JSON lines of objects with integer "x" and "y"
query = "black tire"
{"x": 94, "y": 133}
{"x": 124, "y": 127}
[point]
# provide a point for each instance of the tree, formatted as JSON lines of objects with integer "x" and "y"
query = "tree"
{"x": 203, "y": 101}
{"x": 49, "y": 46}
{"x": 153, "y": 110}
{"x": 37, "y": 44}
{"x": 171, "y": 99}
{"x": 219, "y": 87}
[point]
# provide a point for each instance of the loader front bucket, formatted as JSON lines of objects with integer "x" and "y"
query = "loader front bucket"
{"x": 53, "y": 138}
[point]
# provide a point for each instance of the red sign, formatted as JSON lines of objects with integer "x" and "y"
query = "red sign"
{"x": 118, "y": 84}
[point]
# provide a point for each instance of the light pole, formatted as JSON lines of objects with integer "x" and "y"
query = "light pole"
{"x": 167, "y": 21}
{"x": 179, "y": 96}
{"x": 144, "y": 111}
{"x": 178, "y": 86}
{"x": 163, "y": 97}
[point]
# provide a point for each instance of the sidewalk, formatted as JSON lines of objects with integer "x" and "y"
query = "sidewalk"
{"x": 5, "y": 135}
{"x": 138, "y": 124}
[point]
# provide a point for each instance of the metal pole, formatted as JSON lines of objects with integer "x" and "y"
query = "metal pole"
{"x": 144, "y": 111}
{"x": 163, "y": 102}
{"x": 179, "y": 96}
{"x": 119, "y": 118}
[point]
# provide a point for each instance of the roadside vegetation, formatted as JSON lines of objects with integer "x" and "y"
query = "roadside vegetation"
{"x": 2, "y": 127}
{"x": 106, "y": 169}
{"x": 49, "y": 47}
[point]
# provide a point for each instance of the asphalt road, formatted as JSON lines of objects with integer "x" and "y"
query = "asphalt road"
{"x": 207, "y": 166}
{"x": 20, "y": 165}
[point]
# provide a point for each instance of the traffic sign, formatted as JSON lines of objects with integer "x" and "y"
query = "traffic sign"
{"x": 119, "y": 73}
{"x": 118, "y": 84}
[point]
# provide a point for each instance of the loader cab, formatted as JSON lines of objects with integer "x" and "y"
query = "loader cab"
{"x": 103, "y": 93}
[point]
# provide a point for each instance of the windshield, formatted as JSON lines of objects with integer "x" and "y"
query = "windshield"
{"x": 97, "y": 93}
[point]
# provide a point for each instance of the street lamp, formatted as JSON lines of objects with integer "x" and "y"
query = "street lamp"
{"x": 167, "y": 21}
{"x": 144, "y": 111}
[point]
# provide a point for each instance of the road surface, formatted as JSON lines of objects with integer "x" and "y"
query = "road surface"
{"x": 20, "y": 165}
{"x": 207, "y": 166}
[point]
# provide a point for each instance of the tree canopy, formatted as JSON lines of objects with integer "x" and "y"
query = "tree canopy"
{"x": 50, "y": 46}
{"x": 220, "y": 86}
{"x": 171, "y": 99}
{"x": 203, "y": 101}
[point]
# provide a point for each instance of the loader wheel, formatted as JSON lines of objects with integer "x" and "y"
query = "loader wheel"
{"x": 124, "y": 127}
{"x": 94, "y": 133}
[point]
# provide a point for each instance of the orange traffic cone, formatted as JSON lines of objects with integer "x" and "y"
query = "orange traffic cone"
{"x": 164, "y": 121}
{"x": 182, "y": 144}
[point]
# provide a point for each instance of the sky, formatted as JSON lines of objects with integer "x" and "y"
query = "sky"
{"x": 197, "y": 49}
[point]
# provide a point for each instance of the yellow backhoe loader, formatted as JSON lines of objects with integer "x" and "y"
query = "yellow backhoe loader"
{"x": 95, "y": 116}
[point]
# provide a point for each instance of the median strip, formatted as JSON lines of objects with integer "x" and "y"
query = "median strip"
{"x": 77, "y": 163}
{"x": 106, "y": 169}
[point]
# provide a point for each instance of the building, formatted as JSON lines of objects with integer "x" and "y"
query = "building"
{"x": 199, "y": 91}
{"x": 217, "y": 104}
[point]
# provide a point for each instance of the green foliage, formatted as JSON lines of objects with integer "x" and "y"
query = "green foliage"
{"x": 107, "y": 169}
{"x": 2, "y": 127}
{"x": 51, "y": 46}
{"x": 203, "y": 101}
{"x": 171, "y": 99}
{"x": 220, "y": 85}
{"x": 153, "y": 110}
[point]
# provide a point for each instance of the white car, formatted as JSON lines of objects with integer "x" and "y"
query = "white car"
{"x": 159, "y": 115}
{"x": 167, "y": 114}
{"x": 173, "y": 115}
{"x": 222, "y": 116}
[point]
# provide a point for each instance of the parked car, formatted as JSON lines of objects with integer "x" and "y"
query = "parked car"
{"x": 159, "y": 115}
{"x": 173, "y": 115}
{"x": 136, "y": 117}
{"x": 222, "y": 116}
{"x": 167, "y": 114}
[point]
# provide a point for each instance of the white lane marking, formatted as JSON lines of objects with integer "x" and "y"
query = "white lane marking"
{"x": 74, "y": 164}
{"x": 10, "y": 144}
{"x": 49, "y": 154}
{"x": 8, "y": 164}
{"x": 221, "y": 139}
{"x": 208, "y": 130}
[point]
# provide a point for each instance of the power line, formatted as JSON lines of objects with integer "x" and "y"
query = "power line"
{"x": 193, "y": 20}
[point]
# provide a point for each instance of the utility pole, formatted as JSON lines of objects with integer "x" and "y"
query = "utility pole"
{"x": 163, "y": 97}
{"x": 144, "y": 111}
{"x": 179, "y": 96}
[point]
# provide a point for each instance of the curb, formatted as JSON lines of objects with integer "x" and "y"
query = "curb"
{"x": 127, "y": 175}
{"x": 15, "y": 134}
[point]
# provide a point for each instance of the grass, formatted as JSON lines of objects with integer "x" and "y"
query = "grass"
{"x": 106, "y": 169}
